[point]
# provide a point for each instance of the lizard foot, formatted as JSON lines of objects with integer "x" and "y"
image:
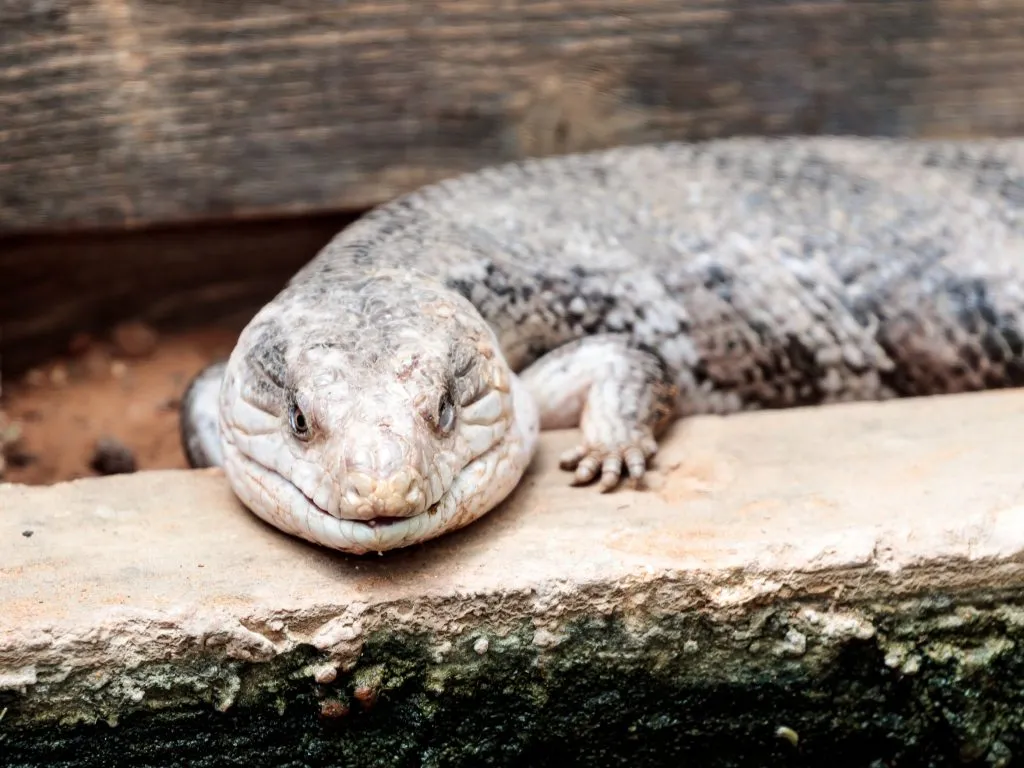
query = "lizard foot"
{"x": 606, "y": 460}
{"x": 620, "y": 396}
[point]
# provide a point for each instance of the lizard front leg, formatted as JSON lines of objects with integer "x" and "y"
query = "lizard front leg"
{"x": 621, "y": 396}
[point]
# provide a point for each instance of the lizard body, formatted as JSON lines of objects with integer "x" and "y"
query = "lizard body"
{"x": 394, "y": 389}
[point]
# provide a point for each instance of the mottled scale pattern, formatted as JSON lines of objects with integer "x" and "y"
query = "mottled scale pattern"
{"x": 764, "y": 272}
{"x": 394, "y": 390}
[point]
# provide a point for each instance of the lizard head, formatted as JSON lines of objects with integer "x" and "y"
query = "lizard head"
{"x": 379, "y": 415}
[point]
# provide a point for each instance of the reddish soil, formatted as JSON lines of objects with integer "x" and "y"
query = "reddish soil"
{"x": 127, "y": 388}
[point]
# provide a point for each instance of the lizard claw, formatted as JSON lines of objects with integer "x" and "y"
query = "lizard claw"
{"x": 590, "y": 461}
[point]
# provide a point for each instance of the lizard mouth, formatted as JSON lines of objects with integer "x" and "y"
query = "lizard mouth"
{"x": 373, "y": 522}
{"x": 296, "y": 513}
{"x": 380, "y": 522}
{"x": 275, "y": 498}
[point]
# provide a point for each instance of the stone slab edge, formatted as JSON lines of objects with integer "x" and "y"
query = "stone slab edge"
{"x": 929, "y": 606}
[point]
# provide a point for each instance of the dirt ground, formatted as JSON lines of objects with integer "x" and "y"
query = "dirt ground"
{"x": 109, "y": 405}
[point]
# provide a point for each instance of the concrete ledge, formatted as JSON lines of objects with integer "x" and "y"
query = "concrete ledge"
{"x": 826, "y": 586}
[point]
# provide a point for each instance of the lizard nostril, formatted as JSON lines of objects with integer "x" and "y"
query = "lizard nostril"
{"x": 367, "y": 496}
{"x": 360, "y": 486}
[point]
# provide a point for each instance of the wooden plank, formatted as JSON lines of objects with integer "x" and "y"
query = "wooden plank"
{"x": 56, "y": 286}
{"x": 128, "y": 112}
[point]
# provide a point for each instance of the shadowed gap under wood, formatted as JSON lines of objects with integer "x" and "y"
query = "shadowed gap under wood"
{"x": 170, "y": 277}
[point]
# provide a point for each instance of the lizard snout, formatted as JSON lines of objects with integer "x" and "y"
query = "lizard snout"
{"x": 380, "y": 481}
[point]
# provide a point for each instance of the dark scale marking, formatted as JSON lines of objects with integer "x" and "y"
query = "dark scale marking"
{"x": 804, "y": 364}
{"x": 267, "y": 356}
{"x": 719, "y": 280}
{"x": 1015, "y": 372}
{"x": 971, "y": 301}
{"x": 1014, "y": 341}
{"x": 972, "y": 358}
{"x": 512, "y": 297}
{"x": 991, "y": 343}
{"x": 1012, "y": 191}
{"x": 979, "y": 317}
{"x": 994, "y": 379}
{"x": 664, "y": 371}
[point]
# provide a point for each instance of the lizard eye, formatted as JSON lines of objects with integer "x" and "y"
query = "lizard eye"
{"x": 445, "y": 413}
{"x": 298, "y": 422}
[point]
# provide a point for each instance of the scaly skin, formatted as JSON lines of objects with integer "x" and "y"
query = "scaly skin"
{"x": 394, "y": 389}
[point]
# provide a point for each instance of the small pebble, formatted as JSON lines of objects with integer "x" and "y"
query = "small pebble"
{"x": 787, "y": 733}
{"x": 20, "y": 459}
{"x": 134, "y": 339}
{"x": 96, "y": 362}
{"x": 365, "y": 695}
{"x": 332, "y": 708}
{"x": 10, "y": 444}
{"x": 118, "y": 369}
{"x": 80, "y": 343}
{"x": 326, "y": 674}
{"x": 27, "y": 534}
{"x": 10, "y": 430}
{"x": 112, "y": 457}
{"x": 59, "y": 375}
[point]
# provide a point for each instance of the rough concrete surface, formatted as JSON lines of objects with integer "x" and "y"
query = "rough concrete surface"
{"x": 830, "y": 586}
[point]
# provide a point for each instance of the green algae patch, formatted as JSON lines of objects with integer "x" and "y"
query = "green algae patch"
{"x": 923, "y": 681}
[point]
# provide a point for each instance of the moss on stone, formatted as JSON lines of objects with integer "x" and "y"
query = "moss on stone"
{"x": 925, "y": 681}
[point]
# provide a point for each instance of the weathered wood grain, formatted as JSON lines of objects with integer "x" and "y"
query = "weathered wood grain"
{"x": 123, "y": 112}
{"x": 54, "y": 286}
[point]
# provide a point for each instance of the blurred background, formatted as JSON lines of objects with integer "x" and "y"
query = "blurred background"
{"x": 166, "y": 166}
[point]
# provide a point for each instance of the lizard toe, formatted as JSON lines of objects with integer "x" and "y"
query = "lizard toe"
{"x": 609, "y": 464}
